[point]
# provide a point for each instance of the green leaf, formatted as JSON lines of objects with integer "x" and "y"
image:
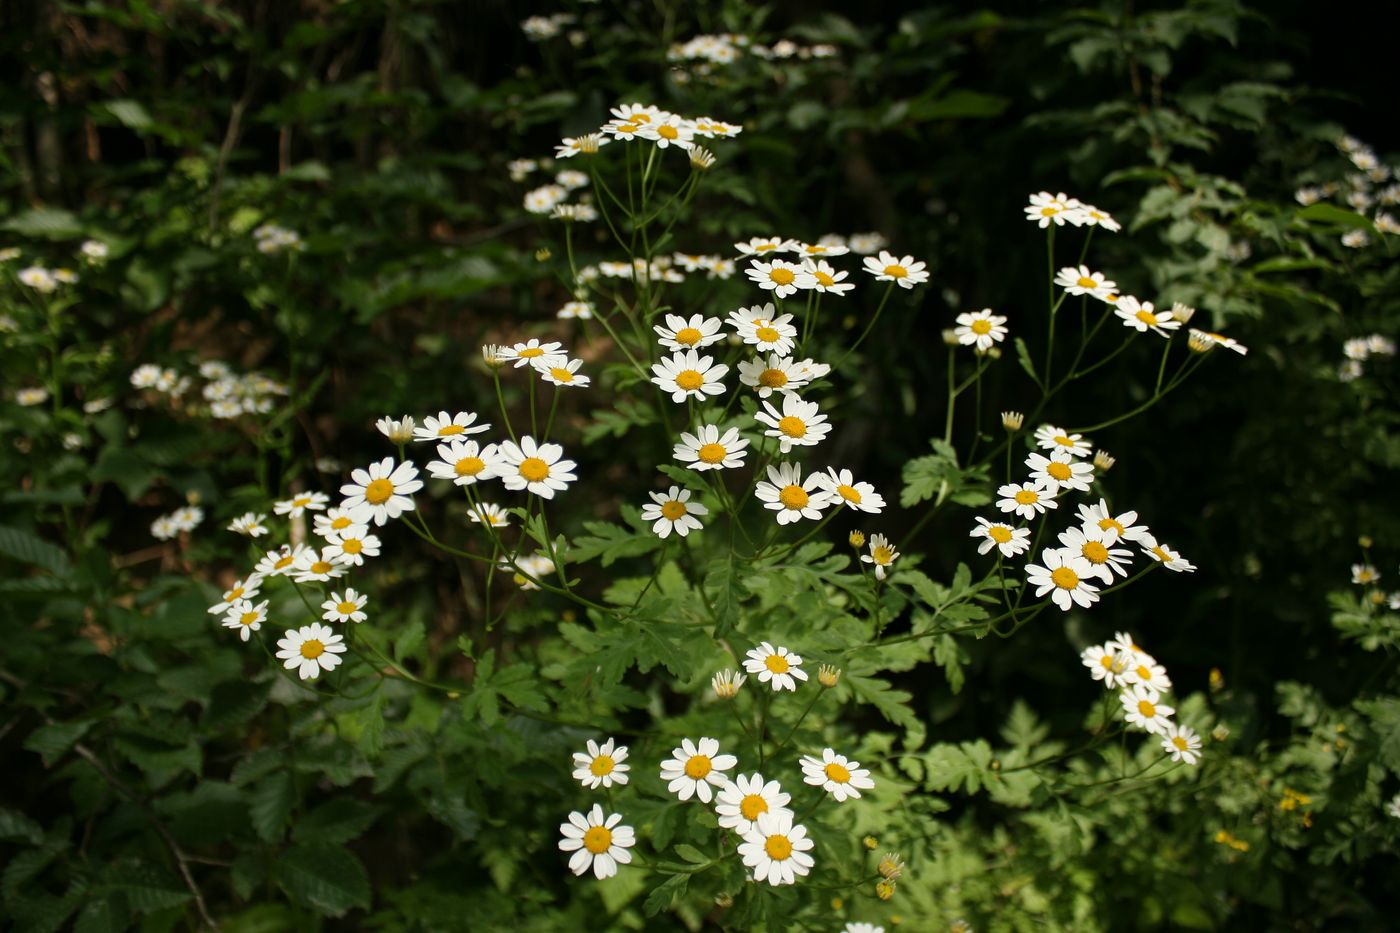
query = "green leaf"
{"x": 951, "y": 657}
{"x": 949, "y": 767}
{"x": 1331, "y": 214}
{"x": 45, "y": 222}
{"x": 691, "y": 854}
{"x": 28, "y": 548}
{"x": 271, "y": 806}
{"x": 725, "y": 589}
{"x": 1023, "y": 356}
{"x": 53, "y": 741}
{"x": 15, "y": 825}
{"x": 665, "y": 894}
{"x": 128, "y": 113}
{"x": 327, "y": 879}
{"x": 612, "y": 543}
{"x": 149, "y": 888}
{"x": 103, "y": 915}
{"x": 335, "y": 821}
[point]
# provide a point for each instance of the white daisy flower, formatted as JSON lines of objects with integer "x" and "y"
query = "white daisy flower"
{"x": 523, "y": 354}
{"x": 528, "y": 569}
{"x": 861, "y": 497}
{"x": 385, "y": 488}
{"x": 740, "y": 802}
{"x": 777, "y": 276}
{"x": 775, "y": 374}
{"x": 1010, "y": 541}
{"x": 867, "y": 244}
{"x": 1142, "y": 317}
{"x": 1026, "y": 499}
{"x": 670, "y": 130}
{"x": 777, "y": 667}
{"x": 400, "y": 431}
{"x": 351, "y": 546}
{"x": 1099, "y": 516}
{"x": 829, "y": 245}
{"x": 310, "y": 650}
{"x": 889, "y": 268}
{"x": 562, "y": 372}
{"x": 1060, "y": 471}
{"x": 726, "y": 684}
{"x": 38, "y": 278}
{"x": 861, "y": 927}
{"x": 1219, "y": 340}
{"x": 545, "y": 198}
{"x": 572, "y": 179}
{"x": 571, "y": 146}
{"x": 1081, "y": 281}
{"x": 301, "y": 503}
{"x": 1050, "y": 437}
{"x": 163, "y": 528}
{"x": 1166, "y": 556}
{"x": 1364, "y": 574}
{"x": 1045, "y": 209}
{"x": 279, "y": 562}
{"x": 707, "y": 449}
{"x": 980, "y": 330}
{"x": 790, "y": 496}
{"x": 465, "y": 462}
{"x": 446, "y": 428}
{"x": 1393, "y": 808}
{"x": 31, "y": 396}
{"x": 246, "y": 588}
{"x": 488, "y": 513}
{"x": 1182, "y": 743}
{"x": 1105, "y": 662}
{"x": 1095, "y": 545}
{"x": 187, "y": 518}
{"x": 818, "y": 275}
{"x": 345, "y": 608}
{"x": 1141, "y": 668}
{"x": 762, "y": 246}
{"x": 596, "y": 841}
{"x": 758, "y": 326}
{"x": 313, "y": 567}
{"x": 537, "y": 468}
{"x": 249, "y": 524}
{"x": 575, "y": 310}
{"x": 798, "y": 424}
{"x": 835, "y": 774}
{"x": 882, "y": 555}
{"x": 687, "y": 374}
{"x": 673, "y": 511}
{"x": 1088, "y": 215}
{"x": 1063, "y": 576}
{"x": 1142, "y": 706}
{"x": 696, "y": 768}
{"x": 602, "y": 765}
{"x": 245, "y": 618}
{"x": 776, "y": 850}
{"x": 694, "y": 333}
{"x": 145, "y": 376}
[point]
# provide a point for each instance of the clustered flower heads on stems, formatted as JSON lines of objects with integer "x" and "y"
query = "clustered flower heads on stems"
{"x": 1120, "y": 664}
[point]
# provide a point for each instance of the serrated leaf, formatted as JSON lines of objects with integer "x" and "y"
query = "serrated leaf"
{"x": 271, "y": 806}
{"x": 53, "y": 741}
{"x": 15, "y": 825}
{"x": 29, "y": 548}
{"x": 148, "y": 888}
{"x": 327, "y": 879}
{"x": 665, "y": 894}
{"x": 335, "y": 821}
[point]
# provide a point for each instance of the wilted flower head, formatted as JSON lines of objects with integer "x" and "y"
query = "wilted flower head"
{"x": 727, "y": 683}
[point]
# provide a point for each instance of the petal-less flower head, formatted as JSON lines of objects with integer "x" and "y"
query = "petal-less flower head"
{"x": 819, "y": 275}
{"x": 350, "y": 546}
{"x": 1182, "y": 743}
{"x": 726, "y": 684}
{"x": 740, "y": 801}
{"x": 488, "y": 513}
{"x": 882, "y": 555}
{"x": 465, "y": 463}
{"x": 1081, "y": 281}
{"x": 1142, "y": 706}
{"x": 561, "y": 372}
{"x": 763, "y": 246}
{"x": 1095, "y": 545}
{"x": 837, "y": 775}
{"x": 602, "y": 765}
{"x": 1046, "y": 208}
{"x": 1060, "y": 471}
{"x": 696, "y": 768}
{"x": 1164, "y": 555}
{"x": 1025, "y": 499}
{"x": 760, "y": 327}
{"x": 980, "y": 329}
{"x": 523, "y": 354}
{"x": 385, "y": 488}
{"x": 707, "y": 449}
{"x": 777, "y": 667}
{"x": 1142, "y": 317}
{"x": 536, "y": 468}
{"x": 1105, "y": 662}
{"x": 301, "y": 503}
{"x": 792, "y": 497}
{"x": 310, "y": 650}
{"x": 694, "y": 333}
{"x": 778, "y": 276}
{"x": 1008, "y": 540}
{"x": 446, "y": 428}
{"x": 904, "y": 272}
{"x": 776, "y": 850}
{"x": 596, "y": 841}
{"x": 245, "y": 618}
{"x": 398, "y": 431}
{"x": 249, "y": 524}
{"x": 1101, "y": 517}
{"x": 347, "y": 607}
{"x": 798, "y": 424}
{"x": 247, "y": 588}
{"x": 687, "y": 374}
{"x": 1063, "y": 575}
{"x": 673, "y": 511}
{"x": 1050, "y": 437}
{"x": 844, "y": 490}
{"x": 775, "y": 374}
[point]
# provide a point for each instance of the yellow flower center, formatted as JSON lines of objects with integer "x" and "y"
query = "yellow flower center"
{"x": 1107, "y": 523}
{"x": 1094, "y": 552}
{"x": 882, "y": 554}
{"x": 1147, "y": 317}
{"x": 896, "y": 271}
{"x": 1049, "y": 211}
{"x": 1086, "y": 282}
{"x": 447, "y": 430}
{"x": 792, "y": 426}
{"x": 794, "y": 497}
{"x": 561, "y": 374}
{"x": 838, "y": 773}
{"x": 530, "y": 353}
{"x": 698, "y": 766}
{"x": 469, "y": 466}
{"x": 233, "y": 594}
{"x": 773, "y": 378}
{"x": 689, "y": 336}
{"x": 283, "y": 562}
{"x": 711, "y": 453}
{"x": 849, "y": 493}
{"x": 999, "y": 533}
{"x": 778, "y": 848}
{"x": 767, "y": 334}
{"x": 667, "y": 131}
{"x": 824, "y": 280}
{"x": 1058, "y": 470}
{"x": 1162, "y": 555}
{"x": 378, "y": 491}
{"x": 1063, "y": 440}
{"x": 1064, "y": 578}
{"x": 597, "y": 840}
{"x": 765, "y": 247}
{"x": 1180, "y": 743}
{"x": 248, "y": 618}
{"x": 534, "y": 469}
{"x": 1027, "y": 496}
{"x": 311, "y": 649}
{"x": 342, "y": 522}
{"x": 628, "y": 127}
{"x": 346, "y": 608}
{"x": 1144, "y": 672}
{"x": 352, "y": 545}
{"x": 1146, "y": 708}
{"x": 301, "y": 502}
{"x": 781, "y": 275}
{"x": 776, "y": 663}
{"x": 321, "y": 566}
{"x": 1107, "y": 662}
{"x": 601, "y": 765}
{"x": 673, "y": 510}
{"x": 689, "y": 380}
{"x": 751, "y": 806}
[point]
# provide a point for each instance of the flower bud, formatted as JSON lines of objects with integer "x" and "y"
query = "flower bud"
{"x": 1104, "y": 461}
{"x": 884, "y": 889}
{"x": 1012, "y": 420}
{"x": 727, "y": 684}
{"x": 829, "y": 676}
{"x": 857, "y": 539}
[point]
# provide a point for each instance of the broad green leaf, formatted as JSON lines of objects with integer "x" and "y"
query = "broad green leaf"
{"x": 327, "y": 879}
{"x": 28, "y": 548}
{"x": 271, "y": 806}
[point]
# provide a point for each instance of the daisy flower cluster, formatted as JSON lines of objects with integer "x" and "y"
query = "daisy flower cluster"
{"x": 229, "y": 394}
{"x": 1091, "y": 555}
{"x": 1358, "y": 350}
{"x": 541, "y": 28}
{"x": 45, "y": 280}
{"x": 810, "y": 271}
{"x": 270, "y": 238}
{"x": 551, "y": 198}
{"x": 1119, "y": 664}
{"x": 183, "y": 519}
{"x": 1369, "y": 188}
{"x": 727, "y": 48}
{"x": 1045, "y": 209}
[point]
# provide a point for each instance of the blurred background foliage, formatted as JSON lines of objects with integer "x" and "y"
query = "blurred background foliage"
{"x": 380, "y": 131}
